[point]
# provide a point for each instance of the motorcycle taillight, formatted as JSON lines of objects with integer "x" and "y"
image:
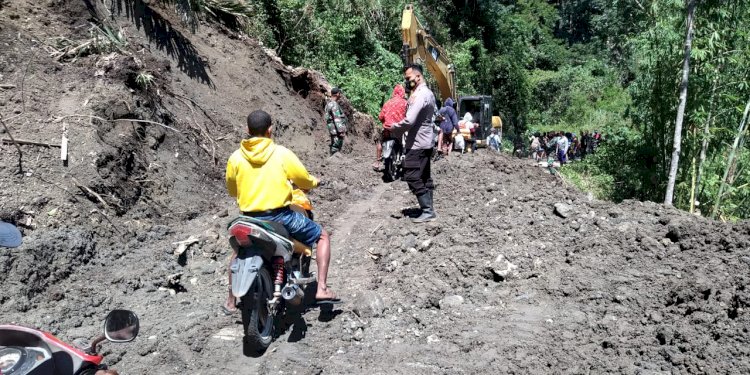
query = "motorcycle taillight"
{"x": 242, "y": 234}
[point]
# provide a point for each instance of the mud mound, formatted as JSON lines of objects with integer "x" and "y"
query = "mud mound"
{"x": 502, "y": 275}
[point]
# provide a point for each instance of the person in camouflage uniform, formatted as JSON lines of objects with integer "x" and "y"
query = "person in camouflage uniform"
{"x": 336, "y": 121}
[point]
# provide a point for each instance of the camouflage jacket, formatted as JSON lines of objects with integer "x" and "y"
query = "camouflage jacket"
{"x": 335, "y": 118}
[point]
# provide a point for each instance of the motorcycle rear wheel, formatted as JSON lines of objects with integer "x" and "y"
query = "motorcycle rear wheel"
{"x": 389, "y": 170}
{"x": 392, "y": 170}
{"x": 257, "y": 318}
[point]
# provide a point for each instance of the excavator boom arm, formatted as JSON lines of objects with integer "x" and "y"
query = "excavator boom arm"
{"x": 421, "y": 48}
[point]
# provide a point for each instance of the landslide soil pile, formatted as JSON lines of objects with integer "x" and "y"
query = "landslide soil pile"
{"x": 519, "y": 274}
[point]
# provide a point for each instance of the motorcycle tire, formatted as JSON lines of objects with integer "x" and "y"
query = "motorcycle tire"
{"x": 390, "y": 171}
{"x": 257, "y": 319}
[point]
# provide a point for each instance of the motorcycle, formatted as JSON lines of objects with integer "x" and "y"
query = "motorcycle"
{"x": 393, "y": 158}
{"x": 269, "y": 273}
{"x": 29, "y": 351}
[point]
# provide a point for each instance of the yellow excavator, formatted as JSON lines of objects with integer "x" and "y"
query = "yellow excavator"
{"x": 421, "y": 48}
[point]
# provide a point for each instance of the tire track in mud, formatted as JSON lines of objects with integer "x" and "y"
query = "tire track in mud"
{"x": 311, "y": 340}
{"x": 351, "y": 270}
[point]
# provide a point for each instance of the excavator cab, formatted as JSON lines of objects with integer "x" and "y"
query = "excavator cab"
{"x": 480, "y": 107}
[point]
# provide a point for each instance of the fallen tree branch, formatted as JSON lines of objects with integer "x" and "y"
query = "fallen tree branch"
{"x": 88, "y": 191}
{"x": 11, "y": 118}
{"x": 376, "y": 229}
{"x": 27, "y": 142}
{"x": 183, "y": 245}
{"x": 23, "y": 82}
{"x": 205, "y": 113}
{"x": 58, "y": 119}
{"x": 108, "y": 220}
{"x": 73, "y": 196}
{"x": 203, "y": 131}
{"x": 20, "y": 153}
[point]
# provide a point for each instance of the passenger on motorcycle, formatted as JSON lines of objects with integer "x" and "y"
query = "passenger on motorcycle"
{"x": 393, "y": 111}
{"x": 260, "y": 175}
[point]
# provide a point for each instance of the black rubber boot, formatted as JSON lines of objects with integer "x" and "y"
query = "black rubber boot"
{"x": 428, "y": 213}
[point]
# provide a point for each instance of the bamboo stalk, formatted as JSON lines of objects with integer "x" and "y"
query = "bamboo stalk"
{"x": 730, "y": 159}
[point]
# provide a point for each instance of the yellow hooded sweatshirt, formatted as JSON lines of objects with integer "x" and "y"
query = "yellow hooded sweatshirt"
{"x": 259, "y": 175}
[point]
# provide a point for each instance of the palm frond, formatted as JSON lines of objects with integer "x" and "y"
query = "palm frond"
{"x": 234, "y": 8}
{"x": 189, "y": 11}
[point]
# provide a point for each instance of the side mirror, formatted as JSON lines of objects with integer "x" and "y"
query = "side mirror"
{"x": 121, "y": 326}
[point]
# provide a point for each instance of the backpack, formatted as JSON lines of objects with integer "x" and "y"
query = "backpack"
{"x": 493, "y": 142}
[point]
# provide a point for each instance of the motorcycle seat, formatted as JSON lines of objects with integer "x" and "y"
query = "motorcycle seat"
{"x": 277, "y": 228}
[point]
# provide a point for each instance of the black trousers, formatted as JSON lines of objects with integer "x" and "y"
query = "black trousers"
{"x": 417, "y": 171}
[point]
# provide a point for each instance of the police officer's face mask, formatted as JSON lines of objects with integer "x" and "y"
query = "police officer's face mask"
{"x": 410, "y": 83}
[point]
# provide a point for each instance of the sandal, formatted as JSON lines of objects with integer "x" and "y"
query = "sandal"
{"x": 227, "y": 311}
{"x": 328, "y": 301}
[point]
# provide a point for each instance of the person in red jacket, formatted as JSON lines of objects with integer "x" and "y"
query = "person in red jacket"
{"x": 393, "y": 111}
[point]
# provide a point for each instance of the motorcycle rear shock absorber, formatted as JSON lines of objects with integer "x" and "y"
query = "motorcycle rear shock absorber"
{"x": 278, "y": 269}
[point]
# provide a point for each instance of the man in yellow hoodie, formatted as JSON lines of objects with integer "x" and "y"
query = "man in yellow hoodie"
{"x": 260, "y": 175}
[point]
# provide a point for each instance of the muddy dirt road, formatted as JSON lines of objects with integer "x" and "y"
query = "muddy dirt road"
{"x": 520, "y": 273}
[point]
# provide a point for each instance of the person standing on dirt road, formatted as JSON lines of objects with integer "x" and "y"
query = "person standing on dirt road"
{"x": 392, "y": 112}
{"x": 336, "y": 121}
{"x": 418, "y": 144}
{"x": 448, "y": 124}
{"x": 493, "y": 141}
{"x": 562, "y": 148}
{"x": 258, "y": 175}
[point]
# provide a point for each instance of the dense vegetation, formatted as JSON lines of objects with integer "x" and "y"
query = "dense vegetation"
{"x": 573, "y": 65}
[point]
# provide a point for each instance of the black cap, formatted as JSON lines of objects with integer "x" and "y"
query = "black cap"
{"x": 335, "y": 90}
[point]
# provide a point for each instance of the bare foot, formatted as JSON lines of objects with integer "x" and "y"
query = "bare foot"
{"x": 325, "y": 294}
{"x": 229, "y": 307}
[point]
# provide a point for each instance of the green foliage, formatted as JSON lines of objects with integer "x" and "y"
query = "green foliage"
{"x": 101, "y": 40}
{"x": 577, "y": 98}
{"x": 588, "y": 177}
{"x": 355, "y": 44}
{"x": 470, "y": 61}
{"x": 144, "y": 79}
{"x": 236, "y": 12}
{"x": 566, "y": 65}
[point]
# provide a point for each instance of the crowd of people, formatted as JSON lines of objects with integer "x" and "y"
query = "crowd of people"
{"x": 449, "y": 133}
{"x": 460, "y": 135}
{"x": 561, "y": 146}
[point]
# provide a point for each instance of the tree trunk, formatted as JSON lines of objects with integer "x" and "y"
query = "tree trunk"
{"x": 101, "y": 13}
{"x": 681, "y": 108}
{"x": 692, "y": 186}
{"x": 706, "y": 132}
{"x": 693, "y": 172}
{"x": 730, "y": 159}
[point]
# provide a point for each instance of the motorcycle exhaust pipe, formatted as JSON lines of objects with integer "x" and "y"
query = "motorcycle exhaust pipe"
{"x": 293, "y": 294}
